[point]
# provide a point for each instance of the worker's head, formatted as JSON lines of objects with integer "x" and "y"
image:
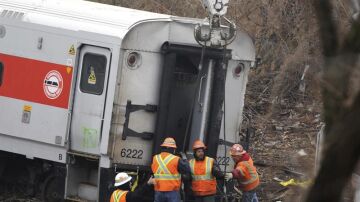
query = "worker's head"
{"x": 122, "y": 181}
{"x": 236, "y": 152}
{"x": 169, "y": 145}
{"x": 199, "y": 150}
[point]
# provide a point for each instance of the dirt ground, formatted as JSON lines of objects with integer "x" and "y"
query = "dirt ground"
{"x": 284, "y": 143}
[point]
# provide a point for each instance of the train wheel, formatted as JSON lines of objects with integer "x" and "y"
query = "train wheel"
{"x": 53, "y": 189}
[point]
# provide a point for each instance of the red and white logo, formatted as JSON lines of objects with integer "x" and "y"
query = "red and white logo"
{"x": 53, "y": 84}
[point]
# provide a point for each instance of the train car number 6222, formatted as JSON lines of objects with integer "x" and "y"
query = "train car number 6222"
{"x": 132, "y": 153}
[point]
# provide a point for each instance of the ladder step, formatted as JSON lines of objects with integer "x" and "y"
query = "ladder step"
{"x": 91, "y": 156}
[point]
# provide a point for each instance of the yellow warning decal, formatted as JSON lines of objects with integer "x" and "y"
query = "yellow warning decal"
{"x": 92, "y": 76}
{"x": 72, "y": 50}
{"x": 27, "y": 108}
{"x": 68, "y": 70}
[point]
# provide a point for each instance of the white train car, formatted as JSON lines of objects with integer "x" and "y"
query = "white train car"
{"x": 87, "y": 90}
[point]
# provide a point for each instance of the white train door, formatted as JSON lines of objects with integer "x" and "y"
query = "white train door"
{"x": 89, "y": 99}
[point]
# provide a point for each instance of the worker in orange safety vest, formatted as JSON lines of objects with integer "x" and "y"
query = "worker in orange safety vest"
{"x": 167, "y": 169}
{"x": 204, "y": 172}
{"x": 123, "y": 187}
{"x": 244, "y": 172}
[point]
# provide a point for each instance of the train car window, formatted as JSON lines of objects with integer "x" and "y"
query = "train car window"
{"x": 1, "y": 73}
{"x": 93, "y": 74}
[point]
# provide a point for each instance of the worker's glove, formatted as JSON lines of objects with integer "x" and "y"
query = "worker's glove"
{"x": 151, "y": 181}
{"x": 228, "y": 176}
{"x": 183, "y": 156}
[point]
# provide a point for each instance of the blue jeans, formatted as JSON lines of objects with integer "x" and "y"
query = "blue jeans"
{"x": 167, "y": 196}
{"x": 249, "y": 196}
{"x": 205, "y": 198}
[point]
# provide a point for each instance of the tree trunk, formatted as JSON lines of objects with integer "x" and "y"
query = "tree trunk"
{"x": 341, "y": 110}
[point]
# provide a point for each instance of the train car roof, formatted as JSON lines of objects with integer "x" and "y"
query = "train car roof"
{"x": 77, "y": 15}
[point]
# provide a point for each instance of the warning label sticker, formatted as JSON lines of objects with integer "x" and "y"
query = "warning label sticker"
{"x": 92, "y": 76}
{"x": 72, "y": 50}
{"x": 53, "y": 84}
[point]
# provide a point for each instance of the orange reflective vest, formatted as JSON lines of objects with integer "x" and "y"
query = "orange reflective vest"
{"x": 118, "y": 196}
{"x": 166, "y": 174}
{"x": 203, "y": 182}
{"x": 249, "y": 177}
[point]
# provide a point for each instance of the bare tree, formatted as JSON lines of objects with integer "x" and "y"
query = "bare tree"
{"x": 341, "y": 98}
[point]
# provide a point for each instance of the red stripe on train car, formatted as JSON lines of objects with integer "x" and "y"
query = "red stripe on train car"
{"x": 35, "y": 81}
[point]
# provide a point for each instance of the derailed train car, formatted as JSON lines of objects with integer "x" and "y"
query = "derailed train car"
{"x": 87, "y": 90}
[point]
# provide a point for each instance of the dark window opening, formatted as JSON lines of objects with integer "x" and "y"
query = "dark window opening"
{"x": 1, "y": 73}
{"x": 93, "y": 74}
{"x": 179, "y": 86}
{"x": 182, "y": 95}
{"x": 186, "y": 69}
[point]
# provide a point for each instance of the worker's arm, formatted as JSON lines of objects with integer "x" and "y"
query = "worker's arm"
{"x": 139, "y": 193}
{"x": 238, "y": 173}
{"x": 184, "y": 168}
{"x": 216, "y": 172}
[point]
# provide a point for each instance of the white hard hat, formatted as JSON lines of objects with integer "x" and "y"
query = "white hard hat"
{"x": 121, "y": 178}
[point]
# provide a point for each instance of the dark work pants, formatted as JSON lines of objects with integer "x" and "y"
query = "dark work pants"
{"x": 249, "y": 196}
{"x": 205, "y": 198}
{"x": 167, "y": 196}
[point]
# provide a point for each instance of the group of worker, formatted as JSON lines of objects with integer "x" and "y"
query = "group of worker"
{"x": 168, "y": 170}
